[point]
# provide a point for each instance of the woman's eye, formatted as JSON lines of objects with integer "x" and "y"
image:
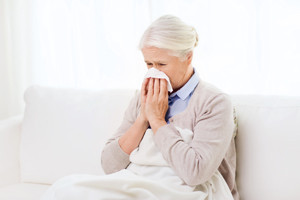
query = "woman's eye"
{"x": 161, "y": 64}
{"x": 149, "y": 63}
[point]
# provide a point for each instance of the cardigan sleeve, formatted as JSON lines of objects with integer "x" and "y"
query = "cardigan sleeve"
{"x": 195, "y": 162}
{"x": 113, "y": 158}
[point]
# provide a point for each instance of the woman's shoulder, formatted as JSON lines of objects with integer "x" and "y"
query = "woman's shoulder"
{"x": 135, "y": 99}
{"x": 206, "y": 93}
{"x": 133, "y": 106}
{"x": 208, "y": 89}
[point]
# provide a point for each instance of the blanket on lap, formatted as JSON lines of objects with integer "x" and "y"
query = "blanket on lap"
{"x": 148, "y": 177}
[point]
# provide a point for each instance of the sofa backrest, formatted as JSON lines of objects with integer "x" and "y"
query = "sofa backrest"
{"x": 268, "y": 146}
{"x": 64, "y": 131}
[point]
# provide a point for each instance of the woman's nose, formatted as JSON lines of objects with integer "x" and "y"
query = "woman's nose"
{"x": 155, "y": 67}
{"x": 152, "y": 67}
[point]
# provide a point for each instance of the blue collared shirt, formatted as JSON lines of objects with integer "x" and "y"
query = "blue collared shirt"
{"x": 179, "y": 100}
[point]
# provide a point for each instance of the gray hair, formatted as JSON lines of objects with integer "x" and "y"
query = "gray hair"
{"x": 171, "y": 33}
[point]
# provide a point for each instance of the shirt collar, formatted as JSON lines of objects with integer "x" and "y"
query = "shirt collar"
{"x": 188, "y": 88}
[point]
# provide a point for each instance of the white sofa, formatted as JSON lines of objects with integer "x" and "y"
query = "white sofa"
{"x": 63, "y": 131}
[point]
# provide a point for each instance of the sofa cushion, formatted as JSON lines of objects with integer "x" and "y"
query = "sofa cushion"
{"x": 23, "y": 191}
{"x": 268, "y": 147}
{"x": 64, "y": 130}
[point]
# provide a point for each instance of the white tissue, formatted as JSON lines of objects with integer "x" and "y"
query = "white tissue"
{"x": 155, "y": 73}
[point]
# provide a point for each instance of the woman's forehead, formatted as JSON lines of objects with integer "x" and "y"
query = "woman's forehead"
{"x": 155, "y": 54}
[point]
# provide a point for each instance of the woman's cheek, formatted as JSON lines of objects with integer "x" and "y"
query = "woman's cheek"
{"x": 172, "y": 83}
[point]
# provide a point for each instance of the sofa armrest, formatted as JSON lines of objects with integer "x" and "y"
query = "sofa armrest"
{"x": 10, "y": 132}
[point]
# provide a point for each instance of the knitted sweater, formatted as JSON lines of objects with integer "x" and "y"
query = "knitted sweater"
{"x": 210, "y": 116}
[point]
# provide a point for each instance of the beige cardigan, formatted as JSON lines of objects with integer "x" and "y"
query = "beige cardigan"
{"x": 210, "y": 116}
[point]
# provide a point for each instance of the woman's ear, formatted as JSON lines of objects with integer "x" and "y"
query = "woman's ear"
{"x": 189, "y": 57}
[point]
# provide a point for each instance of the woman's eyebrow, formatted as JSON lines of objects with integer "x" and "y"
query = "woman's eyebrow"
{"x": 159, "y": 61}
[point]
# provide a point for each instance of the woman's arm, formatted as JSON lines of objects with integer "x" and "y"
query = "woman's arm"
{"x": 114, "y": 157}
{"x": 132, "y": 138}
{"x": 195, "y": 162}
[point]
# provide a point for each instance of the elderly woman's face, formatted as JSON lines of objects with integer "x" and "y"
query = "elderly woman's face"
{"x": 172, "y": 66}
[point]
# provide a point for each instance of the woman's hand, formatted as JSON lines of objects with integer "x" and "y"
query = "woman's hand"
{"x": 156, "y": 103}
{"x": 144, "y": 90}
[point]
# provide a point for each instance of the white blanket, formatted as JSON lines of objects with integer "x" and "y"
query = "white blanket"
{"x": 148, "y": 177}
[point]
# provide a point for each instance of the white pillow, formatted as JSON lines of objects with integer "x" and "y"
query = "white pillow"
{"x": 64, "y": 130}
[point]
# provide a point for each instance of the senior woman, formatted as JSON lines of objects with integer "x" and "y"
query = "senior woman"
{"x": 194, "y": 104}
{"x": 170, "y": 145}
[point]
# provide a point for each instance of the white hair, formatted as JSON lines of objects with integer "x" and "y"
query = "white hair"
{"x": 171, "y": 33}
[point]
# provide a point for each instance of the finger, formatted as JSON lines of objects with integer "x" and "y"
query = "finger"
{"x": 156, "y": 87}
{"x": 150, "y": 88}
{"x": 144, "y": 86}
{"x": 163, "y": 87}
